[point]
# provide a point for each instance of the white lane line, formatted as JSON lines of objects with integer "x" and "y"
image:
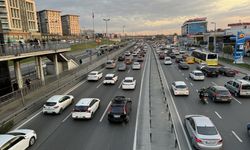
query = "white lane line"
{"x": 213, "y": 83}
{"x": 191, "y": 84}
{"x": 183, "y": 74}
{"x": 179, "y": 70}
{"x": 238, "y": 138}
{"x": 99, "y": 85}
{"x": 218, "y": 114}
{"x": 236, "y": 100}
{"x": 120, "y": 85}
{"x": 66, "y": 117}
{"x": 67, "y": 92}
{"x": 186, "y": 78}
{"x": 139, "y": 103}
{"x": 197, "y": 91}
{"x": 129, "y": 70}
{"x": 105, "y": 112}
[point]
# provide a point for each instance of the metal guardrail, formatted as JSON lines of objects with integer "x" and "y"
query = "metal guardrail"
{"x": 70, "y": 79}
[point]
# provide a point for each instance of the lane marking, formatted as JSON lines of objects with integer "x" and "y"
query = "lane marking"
{"x": 120, "y": 85}
{"x": 67, "y": 117}
{"x": 218, "y": 114}
{"x": 236, "y": 100}
{"x": 197, "y": 91}
{"x": 99, "y": 85}
{"x": 186, "y": 78}
{"x": 183, "y": 74}
{"x": 238, "y": 138}
{"x": 129, "y": 70}
{"x": 191, "y": 84}
{"x": 105, "y": 111}
{"x": 139, "y": 102}
{"x": 213, "y": 83}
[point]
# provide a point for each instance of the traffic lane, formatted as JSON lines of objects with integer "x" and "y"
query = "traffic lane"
{"x": 93, "y": 123}
{"x": 214, "y": 112}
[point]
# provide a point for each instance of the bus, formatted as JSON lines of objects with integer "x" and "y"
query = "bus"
{"x": 209, "y": 58}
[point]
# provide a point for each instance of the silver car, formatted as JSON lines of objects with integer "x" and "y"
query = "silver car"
{"x": 202, "y": 132}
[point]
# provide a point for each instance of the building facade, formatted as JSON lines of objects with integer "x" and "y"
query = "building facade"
{"x": 236, "y": 27}
{"x": 196, "y": 26}
{"x": 70, "y": 25}
{"x": 19, "y": 20}
{"x": 50, "y": 23}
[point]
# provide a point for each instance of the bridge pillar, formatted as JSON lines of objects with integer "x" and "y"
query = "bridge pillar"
{"x": 40, "y": 70}
{"x": 19, "y": 78}
{"x": 56, "y": 65}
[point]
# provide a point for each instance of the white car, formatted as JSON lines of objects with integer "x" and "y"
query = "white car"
{"x": 110, "y": 79}
{"x": 136, "y": 66}
{"x": 197, "y": 75}
{"x": 94, "y": 76}
{"x": 180, "y": 88}
{"x": 128, "y": 83}
{"x": 167, "y": 61}
{"x": 20, "y": 139}
{"x": 57, "y": 103}
{"x": 85, "y": 108}
{"x": 182, "y": 52}
{"x": 202, "y": 132}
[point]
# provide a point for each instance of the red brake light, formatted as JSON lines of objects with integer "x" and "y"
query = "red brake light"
{"x": 198, "y": 140}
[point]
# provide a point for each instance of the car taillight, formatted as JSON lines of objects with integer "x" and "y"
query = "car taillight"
{"x": 56, "y": 106}
{"x": 124, "y": 110}
{"x": 198, "y": 140}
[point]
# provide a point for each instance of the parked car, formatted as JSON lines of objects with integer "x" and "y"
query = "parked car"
{"x": 210, "y": 71}
{"x": 196, "y": 75}
{"x": 167, "y": 61}
{"x": 183, "y": 66}
{"x": 57, "y": 103}
{"x": 128, "y": 83}
{"x": 219, "y": 94}
{"x": 226, "y": 71}
{"x": 136, "y": 66}
{"x": 94, "y": 76}
{"x": 19, "y": 139}
{"x": 122, "y": 67}
{"x": 110, "y": 79}
{"x": 85, "y": 108}
{"x": 110, "y": 64}
{"x": 202, "y": 132}
{"x": 238, "y": 87}
{"x": 180, "y": 88}
{"x": 120, "y": 109}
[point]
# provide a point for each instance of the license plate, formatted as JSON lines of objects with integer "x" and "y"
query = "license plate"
{"x": 116, "y": 116}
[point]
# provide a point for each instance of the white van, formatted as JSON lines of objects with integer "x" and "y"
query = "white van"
{"x": 238, "y": 87}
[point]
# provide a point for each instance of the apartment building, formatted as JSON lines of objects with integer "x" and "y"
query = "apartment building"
{"x": 19, "y": 20}
{"x": 70, "y": 25}
{"x": 50, "y": 23}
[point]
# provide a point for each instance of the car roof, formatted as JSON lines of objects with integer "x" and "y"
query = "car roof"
{"x": 180, "y": 83}
{"x": 84, "y": 102}
{"x": 55, "y": 98}
{"x": 110, "y": 75}
{"x": 203, "y": 121}
{"x": 94, "y": 71}
{"x": 242, "y": 81}
{"x": 137, "y": 63}
{"x": 220, "y": 87}
{"x": 197, "y": 71}
{"x": 5, "y": 138}
{"x": 129, "y": 78}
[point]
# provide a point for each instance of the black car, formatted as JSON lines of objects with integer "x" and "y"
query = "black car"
{"x": 210, "y": 71}
{"x": 178, "y": 60}
{"x": 122, "y": 67}
{"x": 226, "y": 71}
{"x": 120, "y": 109}
{"x": 247, "y": 77}
{"x": 172, "y": 55}
{"x": 121, "y": 58}
{"x": 219, "y": 94}
{"x": 183, "y": 66}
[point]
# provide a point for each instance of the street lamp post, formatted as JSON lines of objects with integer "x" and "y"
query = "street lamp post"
{"x": 123, "y": 27}
{"x": 106, "y": 21}
{"x": 214, "y": 35}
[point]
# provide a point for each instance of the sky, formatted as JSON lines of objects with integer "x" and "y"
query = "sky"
{"x": 150, "y": 16}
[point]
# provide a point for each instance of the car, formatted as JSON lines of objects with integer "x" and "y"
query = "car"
{"x": 182, "y": 51}
{"x": 94, "y": 76}
{"x": 127, "y": 53}
{"x": 140, "y": 59}
{"x": 184, "y": 56}
{"x": 238, "y": 87}
{"x": 247, "y": 78}
{"x": 219, "y": 94}
{"x": 122, "y": 67}
{"x": 201, "y": 65}
{"x": 196, "y": 75}
{"x": 121, "y": 58}
{"x": 161, "y": 55}
{"x": 183, "y": 66}
{"x": 180, "y": 88}
{"x": 120, "y": 109}
{"x": 128, "y": 83}
{"x": 167, "y": 61}
{"x": 189, "y": 60}
{"x": 202, "y": 132}
{"x": 85, "y": 108}
{"x": 172, "y": 55}
{"x": 110, "y": 64}
{"x": 136, "y": 66}
{"x": 110, "y": 79}
{"x": 210, "y": 71}
{"x": 134, "y": 54}
{"x": 128, "y": 61}
{"x": 178, "y": 60}
{"x": 57, "y": 103}
{"x": 226, "y": 71}
{"x": 19, "y": 139}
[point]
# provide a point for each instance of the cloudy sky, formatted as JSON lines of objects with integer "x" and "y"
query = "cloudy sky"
{"x": 150, "y": 16}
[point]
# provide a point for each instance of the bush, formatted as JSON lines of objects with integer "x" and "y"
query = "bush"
{"x": 6, "y": 127}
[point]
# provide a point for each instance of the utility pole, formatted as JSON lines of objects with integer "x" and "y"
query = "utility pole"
{"x": 214, "y": 35}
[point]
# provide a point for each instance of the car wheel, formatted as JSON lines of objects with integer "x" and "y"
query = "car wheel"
{"x": 60, "y": 111}
{"x": 32, "y": 141}
{"x": 91, "y": 117}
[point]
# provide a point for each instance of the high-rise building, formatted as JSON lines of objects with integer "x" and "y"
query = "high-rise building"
{"x": 71, "y": 25}
{"x": 19, "y": 20}
{"x": 49, "y": 22}
{"x": 196, "y": 26}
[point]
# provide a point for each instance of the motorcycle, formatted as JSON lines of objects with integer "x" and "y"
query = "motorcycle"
{"x": 204, "y": 98}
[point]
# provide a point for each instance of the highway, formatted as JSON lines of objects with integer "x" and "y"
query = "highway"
{"x": 61, "y": 132}
{"x": 230, "y": 119}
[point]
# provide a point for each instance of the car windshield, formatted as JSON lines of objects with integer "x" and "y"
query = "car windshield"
{"x": 50, "y": 103}
{"x": 245, "y": 87}
{"x": 116, "y": 109}
{"x": 108, "y": 78}
{"x": 212, "y": 56}
{"x": 109, "y": 62}
{"x": 129, "y": 81}
{"x": 92, "y": 74}
{"x": 198, "y": 74}
{"x": 206, "y": 130}
{"x": 181, "y": 86}
{"x": 81, "y": 108}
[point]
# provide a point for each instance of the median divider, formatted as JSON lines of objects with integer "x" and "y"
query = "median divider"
{"x": 73, "y": 77}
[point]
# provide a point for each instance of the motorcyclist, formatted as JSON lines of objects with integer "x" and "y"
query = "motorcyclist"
{"x": 202, "y": 93}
